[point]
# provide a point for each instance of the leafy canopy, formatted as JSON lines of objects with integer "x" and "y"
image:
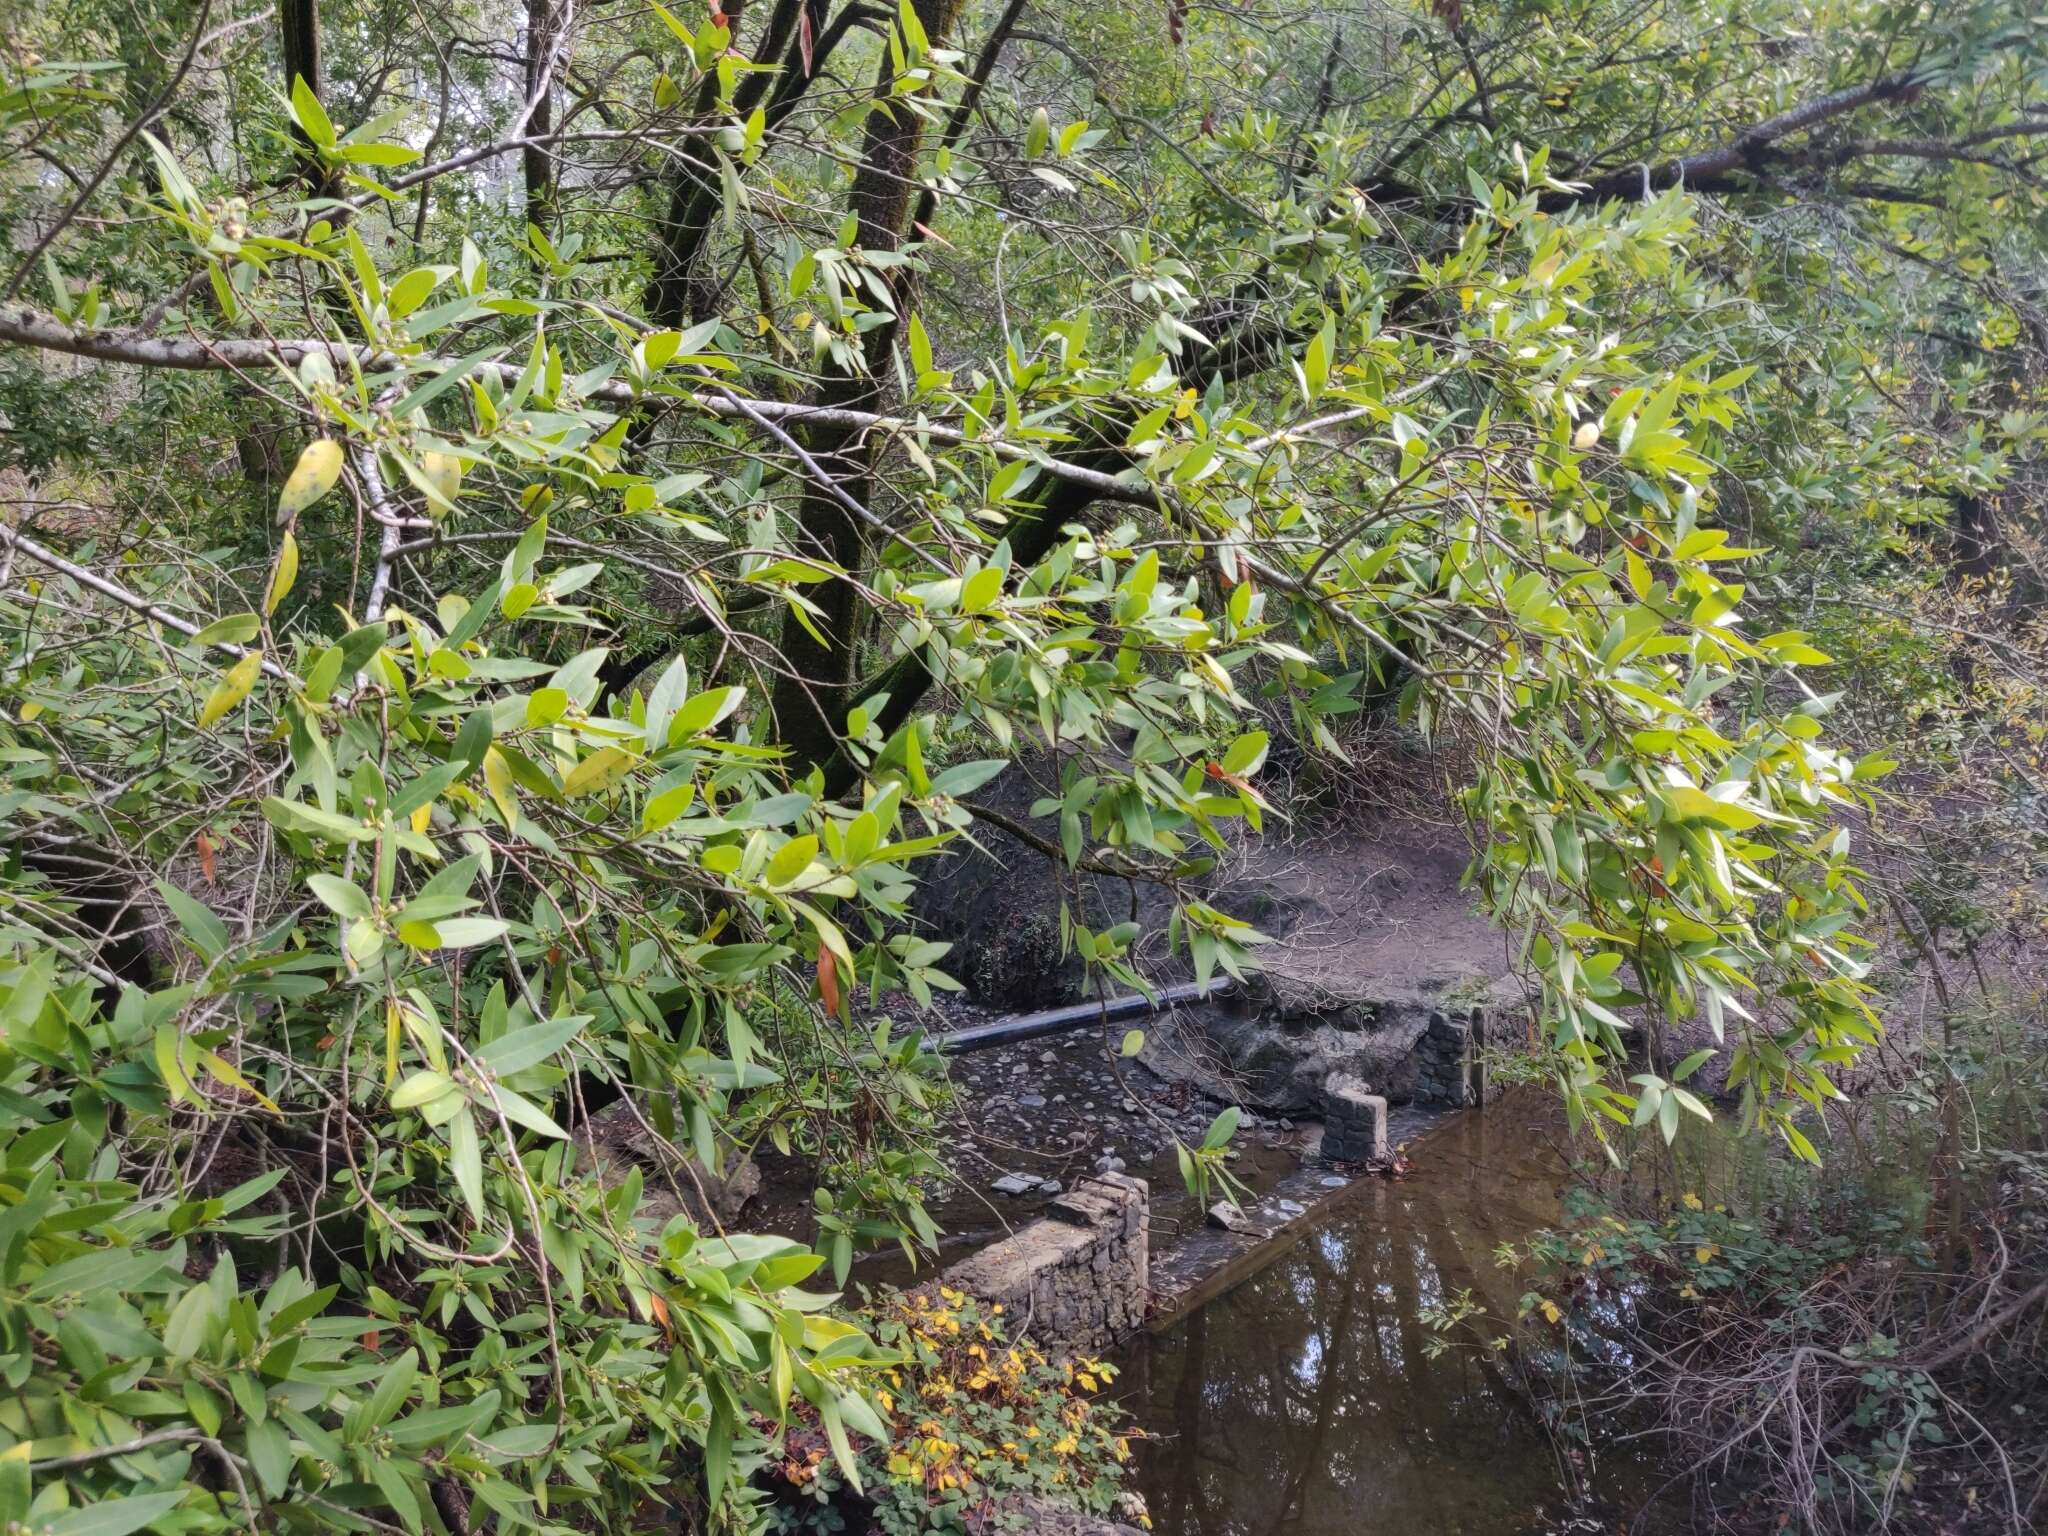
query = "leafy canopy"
{"x": 630, "y": 572}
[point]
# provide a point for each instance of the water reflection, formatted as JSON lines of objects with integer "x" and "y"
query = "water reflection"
{"x": 1305, "y": 1401}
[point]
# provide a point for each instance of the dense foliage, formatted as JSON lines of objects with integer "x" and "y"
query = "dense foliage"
{"x": 981, "y": 1420}
{"x": 520, "y": 553}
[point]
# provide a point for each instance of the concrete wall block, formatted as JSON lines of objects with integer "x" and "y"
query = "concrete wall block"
{"x": 1444, "y": 1068}
{"x": 1077, "y": 1277}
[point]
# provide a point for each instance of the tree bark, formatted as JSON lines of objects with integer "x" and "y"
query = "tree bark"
{"x": 677, "y": 292}
{"x": 299, "y": 21}
{"x": 812, "y": 697}
{"x": 536, "y": 159}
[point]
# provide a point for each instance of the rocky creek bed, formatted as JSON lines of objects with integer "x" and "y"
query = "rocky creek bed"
{"x": 1028, "y": 1120}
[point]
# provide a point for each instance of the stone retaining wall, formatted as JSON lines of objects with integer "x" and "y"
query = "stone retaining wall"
{"x": 1076, "y": 1278}
{"x": 1354, "y": 1121}
{"x": 1449, "y": 1068}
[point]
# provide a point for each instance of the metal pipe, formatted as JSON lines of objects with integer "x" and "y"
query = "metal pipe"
{"x": 1016, "y": 1027}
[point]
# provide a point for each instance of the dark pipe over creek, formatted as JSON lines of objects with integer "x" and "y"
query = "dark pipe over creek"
{"x": 1305, "y": 1400}
{"x": 1015, "y": 1028}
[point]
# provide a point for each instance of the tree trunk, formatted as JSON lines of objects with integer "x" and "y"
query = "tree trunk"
{"x": 300, "y": 23}
{"x": 812, "y": 698}
{"x": 538, "y": 161}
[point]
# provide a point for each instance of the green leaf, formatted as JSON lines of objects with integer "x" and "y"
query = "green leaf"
{"x": 1038, "y": 134}
{"x": 718, "y": 1441}
{"x": 530, "y": 1046}
{"x": 1692, "y": 1064}
{"x": 100, "y": 1272}
{"x": 233, "y": 629}
{"x": 338, "y": 896}
{"x": 1221, "y": 1129}
{"x": 601, "y": 770}
{"x": 669, "y": 692}
{"x": 842, "y": 1451}
{"x": 981, "y": 589}
{"x": 292, "y": 816}
{"x": 114, "y": 1517}
{"x": 15, "y": 1483}
{"x": 521, "y": 1111}
{"x": 791, "y": 860}
{"x": 703, "y": 712}
{"x": 209, "y": 935}
{"x": 920, "y": 348}
{"x": 392, "y": 1389}
{"x": 422, "y": 1088}
{"x": 310, "y": 115}
{"x": 270, "y": 1452}
{"x": 468, "y": 932}
{"x": 1315, "y": 362}
{"x": 966, "y": 778}
{"x": 465, "y": 1160}
{"x": 1246, "y": 754}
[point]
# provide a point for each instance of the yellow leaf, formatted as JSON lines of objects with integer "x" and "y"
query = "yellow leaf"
{"x": 311, "y": 478}
{"x": 170, "y": 1063}
{"x": 233, "y": 687}
{"x": 423, "y": 817}
{"x": 498, "y": 779}
{"x": 283, "y": 574}
{"x": 1551, "y": 1312}
{"x": 1704, "y": 1252}
{"x": 223, "y": 1072}
{"x": 443, "y": 472}
{"x": 1638, "y": 573}
{"x": 601, "y": 770}
{"x": 1691, "y": 1201}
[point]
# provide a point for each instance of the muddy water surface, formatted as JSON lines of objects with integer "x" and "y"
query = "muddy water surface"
{"x": 1305, "y": 1402}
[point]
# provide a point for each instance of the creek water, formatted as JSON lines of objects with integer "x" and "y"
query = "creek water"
{"x": 1306, "y": 1402}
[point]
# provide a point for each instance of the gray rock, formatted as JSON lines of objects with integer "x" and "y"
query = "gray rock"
{"x": 1281, "y": 1043}
{"x": 1228, "y": 1216}
{"x": 1014, "y": 1184}
{"x": 1043, "y": 1517}
{"x": 1109, "y": 1165}
{"x": 1031, "y": 1101}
